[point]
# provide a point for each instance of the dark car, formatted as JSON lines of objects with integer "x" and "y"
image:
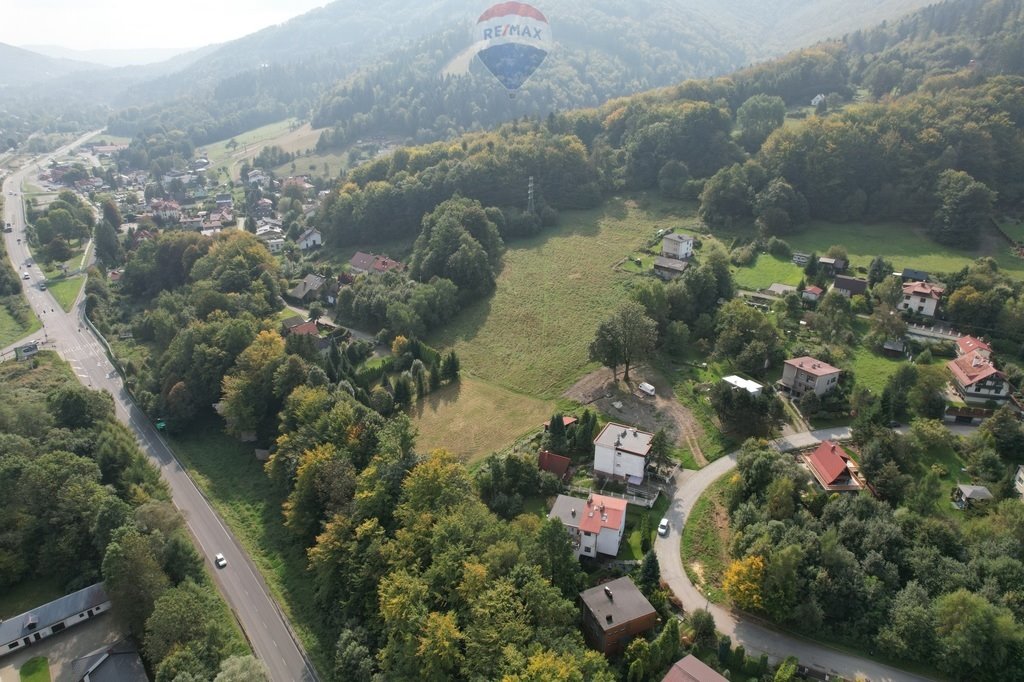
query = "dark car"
{"x": 894, "y": 424}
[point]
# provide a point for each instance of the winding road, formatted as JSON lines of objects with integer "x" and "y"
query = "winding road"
{"x": 755, "y": 637}
{"x": 262, "y": 621}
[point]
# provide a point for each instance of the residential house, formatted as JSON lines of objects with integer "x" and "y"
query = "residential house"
{"x": 692, "y": 669}
{"x": 308, "y": 289}
{"x": 1018, "y": 480}
{"x": 739, "y": 383}
{"x": 265, "y": 234}
{"x": 832, "y": 266}
{"x": 264, "y": 207}
{"x": 118, "y": 662}
{"x": 167, "y": 211}
{"x": 834, "y": 470}
{"x": 910, "y": 274}
{"x": 780, "y": 290}
{"x": 615, "y": 613}
{"x": 669, "y": 268}
{"x": 977, "y": 380}
{"x": 225, "y": 201}
{"x": 192, "y": 223}
{"x": 256, "y": 177}
{"x": 966, "y": 345}
{"x": 309, "y": 239}
{"x": 362, "y": 263}
{"x": 966, "y": 496}
{"x": 803, "y": 374}
{"x": 813, "y": 293}
{"x": 621, "y": 452}
{"x": 275, "y": 245}
{"x": 595, "y": 525}
{"x": 554, "y": 464}
{"x": 43, "y": 621}
{"x": 675, "y": 245}
{"x": 921, "y": 297}
{"x": 850, "y": 286}
{"x": 567, "y": 421}
{"x": 817, "y": 100}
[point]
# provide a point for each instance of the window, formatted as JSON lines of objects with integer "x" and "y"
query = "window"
{"x": 57, "y": 628}
{"x": 920, "y": 308}
{"x": 587, "y": 534}
{"x": 586, "y": 550}
{"x": 12, "y": 645}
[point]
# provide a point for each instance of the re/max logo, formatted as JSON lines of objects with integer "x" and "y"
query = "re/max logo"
{"x": 512, "y": 30}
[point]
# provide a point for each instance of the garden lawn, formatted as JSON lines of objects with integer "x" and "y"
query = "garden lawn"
{"x": 11, "y": 330}
{"x": 231, "y": 477}
{"x": 705, "y": 545}
{"x": 26, "y": 595}
{"x": 554, "y": 289}
{"x": 66, "y": 291}
{"x": 631, "y": 548}
{"x": 902, "y": 244}
{"x": 35, "y": 670}
{"x": 872, "y": 370}
{"x": 766, "y": 271}
{"x": 474, "y": 418}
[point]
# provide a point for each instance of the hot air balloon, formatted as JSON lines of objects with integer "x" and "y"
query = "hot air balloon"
{"x": 514, "y": 39}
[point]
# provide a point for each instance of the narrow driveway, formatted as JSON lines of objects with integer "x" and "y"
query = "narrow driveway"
{"x": 755, "y": 637}
{"x": 262, "y": 621}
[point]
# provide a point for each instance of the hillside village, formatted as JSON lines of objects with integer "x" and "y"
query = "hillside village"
{"x": 721, "y": 381}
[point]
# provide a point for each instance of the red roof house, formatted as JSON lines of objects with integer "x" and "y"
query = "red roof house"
{"x": 555, "y": 464}
{"x": 832, "y": 467}
{"x": 969, "y": 344}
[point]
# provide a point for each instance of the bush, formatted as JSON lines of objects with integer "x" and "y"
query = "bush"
{"x": 779, "y": 248}
{"x": 743, "y": 255}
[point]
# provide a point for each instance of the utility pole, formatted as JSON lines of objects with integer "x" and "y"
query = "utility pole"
{"x": 530, "y": 208}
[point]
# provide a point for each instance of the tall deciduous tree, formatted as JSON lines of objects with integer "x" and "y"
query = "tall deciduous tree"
{"x": 626, "y": 337}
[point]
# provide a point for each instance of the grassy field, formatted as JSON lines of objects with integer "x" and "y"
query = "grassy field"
{"x": 766, "y": 271}
{"x": 229, "y": 474}
{"x": 11, "y": 330}
{"x": 66, "y": 291}
{"x": 1013, "y": 228}
{"x": 474, "y": 418}
{"x": 289, "y": 135}
{"x": 630, "y": 549}
{"x": 706, "y": 540}
{"x": 35, "y": 670}
{"x": 872, "y": 369}
{"x": 26, "y": 595}
{"x": 532, "y": 334}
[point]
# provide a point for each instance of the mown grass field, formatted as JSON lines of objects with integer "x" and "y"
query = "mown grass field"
{"x": 474, "y": 418}
{"x": 872, "y": 370}
{"x": 66, "y": 291}
{"x": 11, "y": 330}
{"x": 231, "y": 477}
{"x": 289, "y": 135}
{"x": 766, "y": 271}
{"x": 554, "y": 289}
{"x": 705, "y": 543}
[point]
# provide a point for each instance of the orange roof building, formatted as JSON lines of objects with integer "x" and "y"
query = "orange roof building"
{"x": 833, "y": 468}
{"x": 595, "y": 525}
{"x": 976, "y": 379}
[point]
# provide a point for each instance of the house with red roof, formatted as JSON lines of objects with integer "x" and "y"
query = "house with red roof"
{"x": 803, "y": 374}
{"x": 554, "y": 464}
{"x": 595, "y": 525}
{"x": 966, "y": 345}
{"x": 812, "y": 293}
{"x": 833, "y": 468}
{"x": 976, "y": 379}
{"x": 921, "y": 297}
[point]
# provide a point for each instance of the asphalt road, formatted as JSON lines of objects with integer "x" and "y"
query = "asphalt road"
{"x": 264, "y": 624}
{"x": 757, "y": 638}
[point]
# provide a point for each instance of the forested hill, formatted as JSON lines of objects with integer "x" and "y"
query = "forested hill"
{"x": 950, "y": 122}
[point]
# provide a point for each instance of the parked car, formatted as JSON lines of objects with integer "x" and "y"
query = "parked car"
{"x": 663, "y": 528}
{"x": 894, "y": 424}
{"x": 220, "y": 561}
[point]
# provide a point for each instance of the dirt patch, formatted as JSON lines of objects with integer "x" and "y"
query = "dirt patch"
{"x": 697, "y": 569}
{"x": 623, "y": 401}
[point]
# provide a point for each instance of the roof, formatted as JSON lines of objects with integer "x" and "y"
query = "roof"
{"x": 625, "y": 438}
{"x": 361, "y": 261}
{"x": 292, "y": 322}
{"x": 813, "y": 366}
{"x": 817, "y": 291}
{"x": 894, "y": 345}
{"x": 552, "y": 463}
{"x": 52, "y": 612}
{"x": 673, "y": 264}
{"x": 615, "y": 603}
{"x": 590, "y": 515}
{"x": 923, "y": 289}
{"x": 911, "y": 273}
{"x": 567, "y": 419}
{"x": 746, "y": 384}
{"x": 828, "y": 462}
{"x": 780, "y": 289}
{"x": 118, "y": 662}
{"x": 308, "y": 233}
{"x": 308, "y": 283}
{"x": 967, "y": 344}
{"x": 692, "y": 669}
{"x": 305, "y": 329}
{"x": 975, "y": 492}
{"x": 852, "y": 284}
{"x": 679, "y": 238}
{"x": 385, "y": 264}
{"x": 971, "y": 368}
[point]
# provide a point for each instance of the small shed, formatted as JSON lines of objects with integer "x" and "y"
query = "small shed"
{"x": 966, "y": 496}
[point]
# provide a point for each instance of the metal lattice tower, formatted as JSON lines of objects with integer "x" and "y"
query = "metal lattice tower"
{"x": 530, "y": 208}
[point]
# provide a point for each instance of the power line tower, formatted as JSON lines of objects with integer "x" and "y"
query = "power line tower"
{"x": 530, "y": 208}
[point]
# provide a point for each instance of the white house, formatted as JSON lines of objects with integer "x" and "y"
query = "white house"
{"x": 166, "y": 210}
{"x": 621, "y": 452}
{"x": 977, "y": 380}
{"x": 43, "y": 621}
{"x": 738, "y": 382}
{"x": 274, "y": 245}
{"x": 804, "y": 374}
{"x": 265, "y": 234}
{"x": 309, "y": 239}
{"x": 921, "y": 297}
{"x": 256, "y": 177}
{"x": 595, "y": 525}
{"x": 676, "y": 245}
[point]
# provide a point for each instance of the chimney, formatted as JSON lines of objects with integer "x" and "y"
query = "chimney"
{"x": 608, "y": 591}
{"x": 572, "y": 512}
{"x": 608, "y": 616}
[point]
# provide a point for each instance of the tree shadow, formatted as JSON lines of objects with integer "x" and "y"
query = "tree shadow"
{"x": 433, "y": 402}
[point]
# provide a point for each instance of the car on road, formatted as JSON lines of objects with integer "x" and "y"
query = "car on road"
{"x": 663, "y": 528}
{"x": 42, "y": 286}
{"x": 894, "y": 424}
{"x": 219, "y": 560}
{"x": 25, "y": 275}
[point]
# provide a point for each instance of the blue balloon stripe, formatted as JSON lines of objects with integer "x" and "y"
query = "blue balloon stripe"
{"x": 512, "y": 63}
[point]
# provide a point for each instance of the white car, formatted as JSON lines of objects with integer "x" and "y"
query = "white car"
{"x": 220, "y": 561}
{"x": 663, "y": 527}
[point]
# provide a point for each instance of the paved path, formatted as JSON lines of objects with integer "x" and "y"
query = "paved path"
{"x": 262, "y": 621}
{"x": 755, "y": 637}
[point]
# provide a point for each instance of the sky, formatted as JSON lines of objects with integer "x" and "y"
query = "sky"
{"x": 96, "y": 24}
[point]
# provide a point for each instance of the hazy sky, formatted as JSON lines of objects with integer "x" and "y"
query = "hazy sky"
{"x": 92, "y": 24}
